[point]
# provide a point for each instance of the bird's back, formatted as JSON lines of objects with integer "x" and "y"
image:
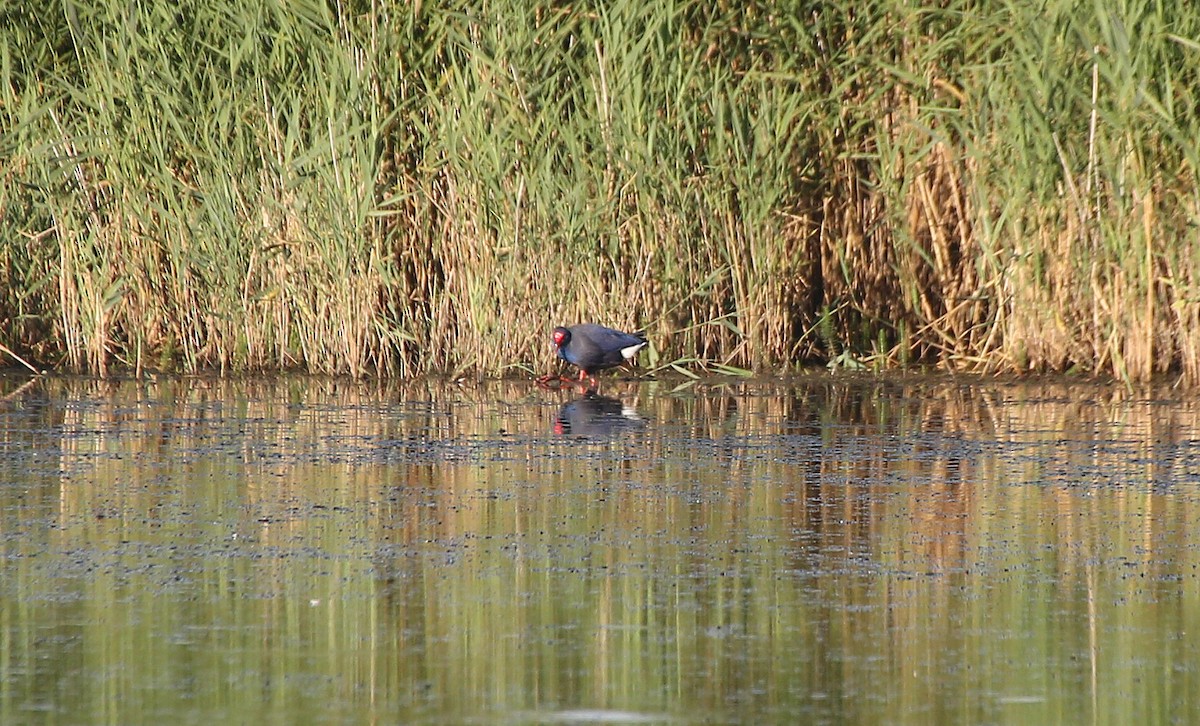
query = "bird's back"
{"x": 594, "y": 347}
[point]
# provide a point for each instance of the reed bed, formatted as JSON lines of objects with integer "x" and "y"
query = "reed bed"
{"x": 400, "y": 188}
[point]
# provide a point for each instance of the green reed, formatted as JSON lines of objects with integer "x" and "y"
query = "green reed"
{"x": 398, "y": 188}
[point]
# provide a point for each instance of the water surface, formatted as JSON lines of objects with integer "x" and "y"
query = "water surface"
{"x": 817, "y": 550}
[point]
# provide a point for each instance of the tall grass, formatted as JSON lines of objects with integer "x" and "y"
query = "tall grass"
{"x": 399, "y": 188}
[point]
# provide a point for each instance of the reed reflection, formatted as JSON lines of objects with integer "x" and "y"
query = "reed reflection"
{"x": 771, "y": 550}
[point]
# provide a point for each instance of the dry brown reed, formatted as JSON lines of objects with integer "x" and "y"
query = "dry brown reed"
{"x": 431, "y": 189}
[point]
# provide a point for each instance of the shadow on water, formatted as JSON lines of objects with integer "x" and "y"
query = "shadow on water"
{"x": 908, "y": 550}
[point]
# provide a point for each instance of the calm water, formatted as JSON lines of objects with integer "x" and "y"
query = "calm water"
{"x": 819, "y": 550}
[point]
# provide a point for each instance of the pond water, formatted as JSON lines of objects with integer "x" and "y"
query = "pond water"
{"x": 817, "y": 550}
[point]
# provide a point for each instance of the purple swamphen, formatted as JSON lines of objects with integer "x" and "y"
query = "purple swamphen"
{"x": 592, "y": 348}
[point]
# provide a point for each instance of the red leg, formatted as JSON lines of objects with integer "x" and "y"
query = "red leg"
{"x": 592, "y": 384}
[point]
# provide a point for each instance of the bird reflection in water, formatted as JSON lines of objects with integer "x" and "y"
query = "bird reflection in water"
{"x": 596, "y": 415}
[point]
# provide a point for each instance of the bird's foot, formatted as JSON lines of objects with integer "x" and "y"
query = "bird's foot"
{"x": 553, "y": 381}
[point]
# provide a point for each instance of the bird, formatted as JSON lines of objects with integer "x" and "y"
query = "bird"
{"x": 593, "y": 348}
